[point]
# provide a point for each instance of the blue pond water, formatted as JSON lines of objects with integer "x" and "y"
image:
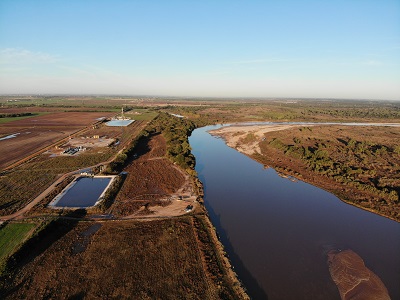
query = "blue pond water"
{"x": 119, "y": 122}
{"x": 84, "y": 193}
{"x": 277, "y": 232}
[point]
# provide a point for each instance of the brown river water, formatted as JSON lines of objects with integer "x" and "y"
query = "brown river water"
{"x": 278, "y": 233}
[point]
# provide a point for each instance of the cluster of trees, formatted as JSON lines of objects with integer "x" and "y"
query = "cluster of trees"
{"x": 176, "y": 132}
{"x": 120, "y": 161}
{"x": 358, "y": 112}
{"x": 15, "y": 115}
{"x": 352, "y": 169}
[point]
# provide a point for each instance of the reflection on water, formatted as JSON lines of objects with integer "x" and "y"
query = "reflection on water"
{"x": 280, "y": 231}
{"x": 84, "y": 192}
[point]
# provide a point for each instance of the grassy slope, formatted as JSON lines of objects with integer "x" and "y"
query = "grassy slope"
{"x": 12, "y": 236}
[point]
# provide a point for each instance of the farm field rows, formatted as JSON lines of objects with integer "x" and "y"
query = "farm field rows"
{"x": 22, "y": 184}
{"x": 35, "y": 133}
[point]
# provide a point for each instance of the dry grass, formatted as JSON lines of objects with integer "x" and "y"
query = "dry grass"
{"x": 119, "y": 259}
{"x": 151, "y": 177}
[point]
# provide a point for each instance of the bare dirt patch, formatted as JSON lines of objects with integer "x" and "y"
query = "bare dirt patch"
{"x": 89, "y": 142}
{"x": 246, "y": 139}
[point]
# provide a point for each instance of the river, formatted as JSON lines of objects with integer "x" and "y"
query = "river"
{"x": 277, "y": 232}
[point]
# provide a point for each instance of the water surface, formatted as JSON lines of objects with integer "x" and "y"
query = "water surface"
{"x": 84, "y": 192}
{"x": 119, "y": 122}
{"x": 277, "y": 232}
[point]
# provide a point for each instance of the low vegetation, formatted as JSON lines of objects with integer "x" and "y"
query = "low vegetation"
{"x": 246, "y": 110}
{"x": 179, "y": 257}
{"x": 22, "y": 184}
{"x": 12, "y": 236}
{"x": 9, "y": 117}
{"x": 175, "y": 131}
{"x": 360, "y": 164}
{"x": 139, "y": 260}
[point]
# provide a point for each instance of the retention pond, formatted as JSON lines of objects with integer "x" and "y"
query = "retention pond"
{"x": 277, "y": 232}
{"x": 83, "y": 192}
{"x": 119, "y": 122}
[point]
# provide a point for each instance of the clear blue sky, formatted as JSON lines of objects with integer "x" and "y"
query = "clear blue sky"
{"x": 281, "y": 48}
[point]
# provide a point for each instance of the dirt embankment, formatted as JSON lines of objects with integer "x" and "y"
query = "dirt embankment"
{"x": 359, "y": 164}
{"x": 154, "y": 186}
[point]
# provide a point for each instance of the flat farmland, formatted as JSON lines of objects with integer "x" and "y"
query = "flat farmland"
{"x": 33, "y": 134}
{"x": 22, "y": 184}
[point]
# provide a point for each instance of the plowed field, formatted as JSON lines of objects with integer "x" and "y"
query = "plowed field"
{"x": 33, "y": 134}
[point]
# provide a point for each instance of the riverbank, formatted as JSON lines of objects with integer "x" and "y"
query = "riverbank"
{"x": 157, "y": 222}
{"x": 357, "y": 164}
{"x": 278, "y": 232}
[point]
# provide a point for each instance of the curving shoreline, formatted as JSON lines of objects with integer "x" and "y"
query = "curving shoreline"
{"x": 246, "y": 139}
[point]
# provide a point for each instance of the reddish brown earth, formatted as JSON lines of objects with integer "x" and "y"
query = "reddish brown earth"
{"x": 353, "y": 279}
{"x": 38, "y": 132}
{"x": 151, "y": 179}
{"x": 114, "y": 260}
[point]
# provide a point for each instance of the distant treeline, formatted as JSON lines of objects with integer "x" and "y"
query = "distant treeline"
{"x": 16, "y": 115}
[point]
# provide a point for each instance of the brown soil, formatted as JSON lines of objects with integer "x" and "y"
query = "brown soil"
{"x": 173, "y": 258}
{"x": 36, "y": 109}
{"x": 124, "y": 260}
{"x": 38, "y": 132}
{"x": 152, "y": 180}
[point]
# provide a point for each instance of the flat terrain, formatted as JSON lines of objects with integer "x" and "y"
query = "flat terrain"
{"x": 24, "y": 183}
{"x": 86, "y": 264}
{"x": 35, "y": 133}
{"x": 152, "y": 248}
{"x": 147, "y": 245}
{"x": 287, "y": 110}
{"x": 360, "y": 164}
{"x": 165, "y": 259}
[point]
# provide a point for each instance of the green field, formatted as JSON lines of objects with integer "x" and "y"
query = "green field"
{"x": 12, "y": 236}
{"x": 11, "y": 119}
{"x": 143, "y": 114}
